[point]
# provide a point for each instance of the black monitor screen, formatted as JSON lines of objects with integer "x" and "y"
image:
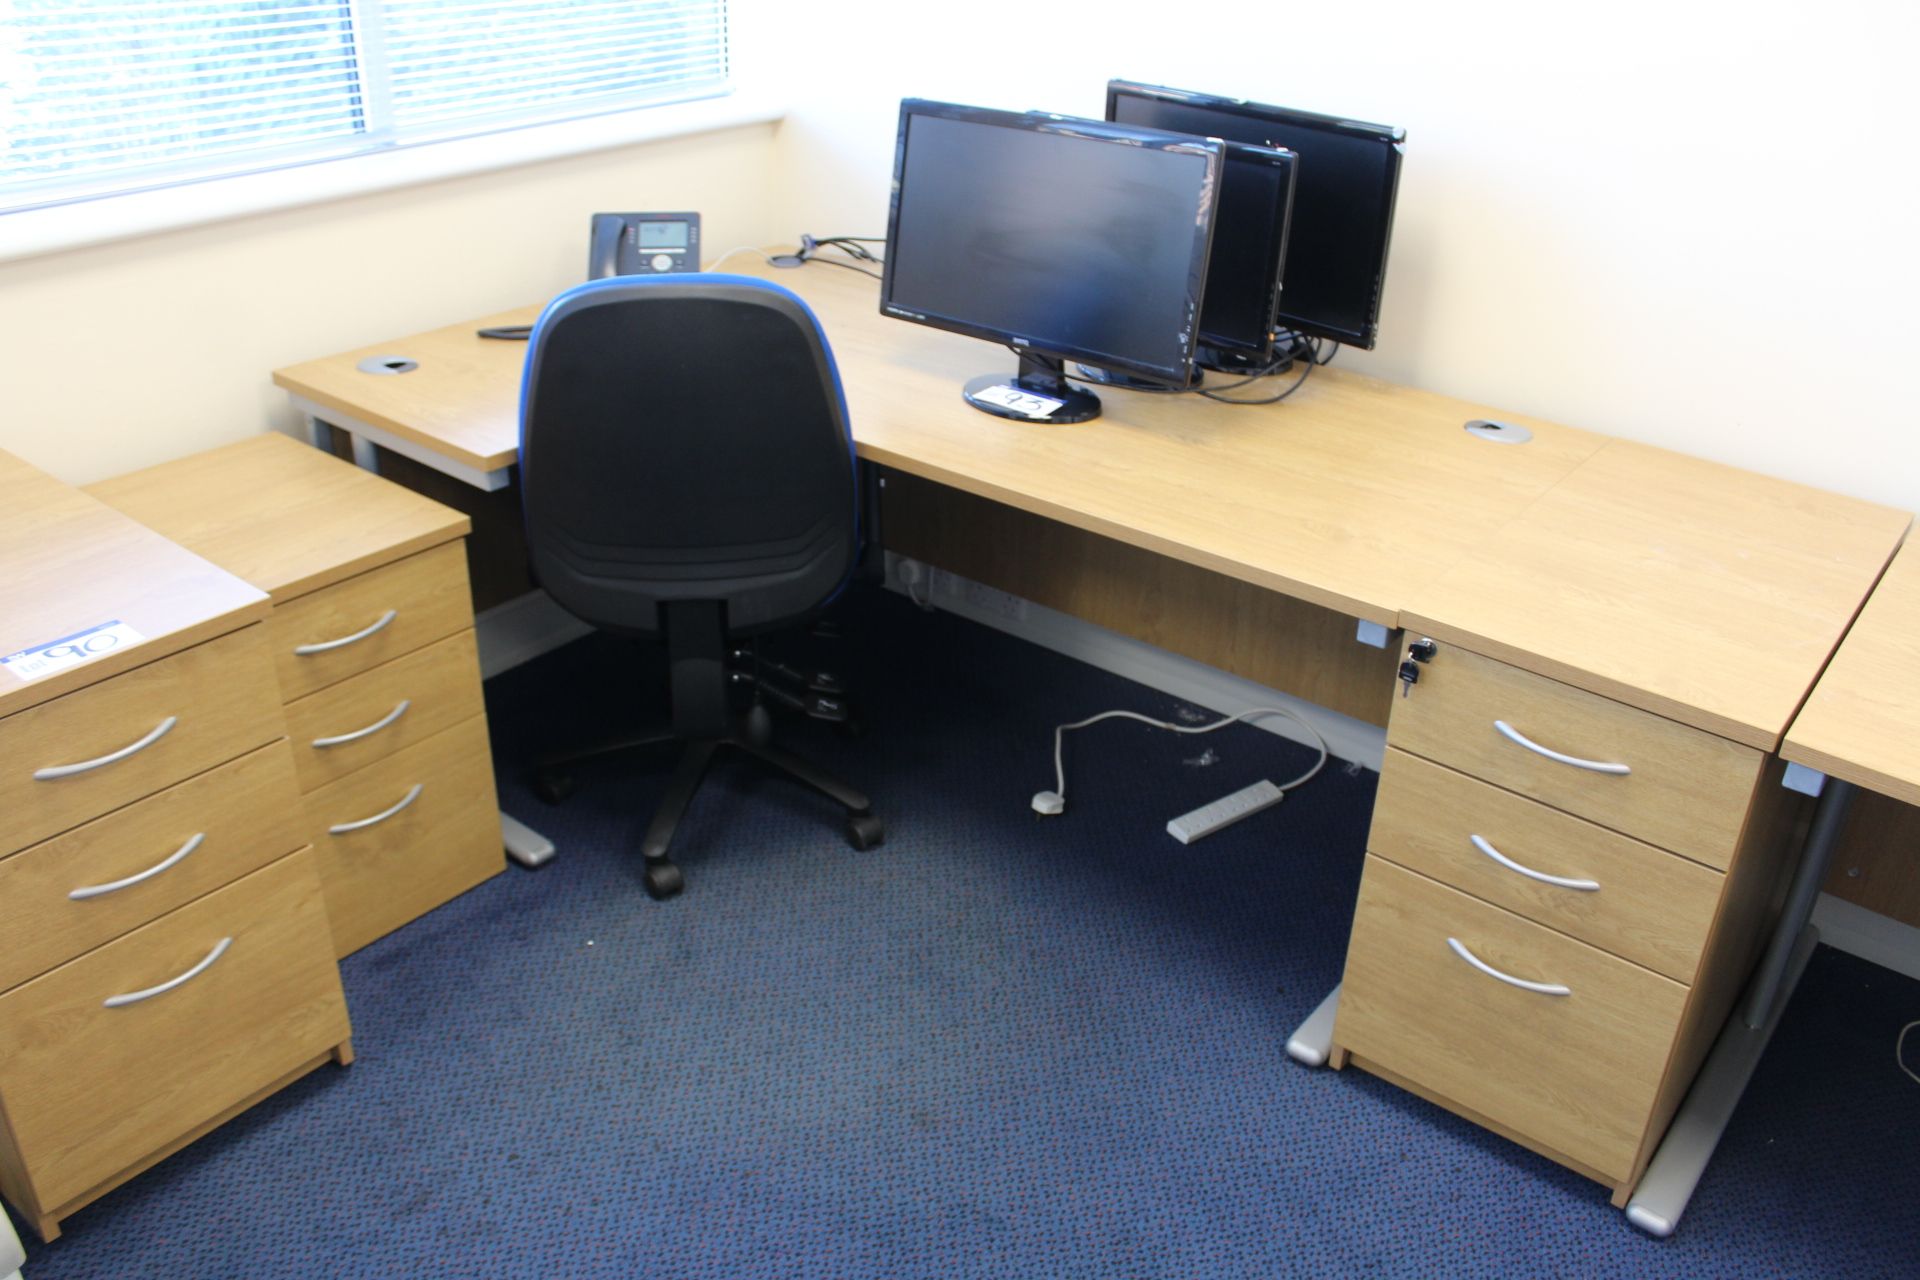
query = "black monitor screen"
{"x": 1249, "y": 245}
{"x": 1075, "y": 239}
{"x": 1342, "y": 200}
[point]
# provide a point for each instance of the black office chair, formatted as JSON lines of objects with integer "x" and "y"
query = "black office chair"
{"x": 686, "y": 471}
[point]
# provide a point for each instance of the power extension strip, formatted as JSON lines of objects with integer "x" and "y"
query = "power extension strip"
{"x": 1225, "y": 811}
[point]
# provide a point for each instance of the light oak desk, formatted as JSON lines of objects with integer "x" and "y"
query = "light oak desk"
{"x": 1857, "y": 729}
{"x": 1860, "y": 724}
{"x": 1619, "y": 600}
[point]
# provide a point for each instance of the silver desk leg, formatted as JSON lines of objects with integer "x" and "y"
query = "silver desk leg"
{"x": 526, "y": 846}
{"x": 1676, "y": 1169}
{"x": 1769, "y": 990}
{"x": 1314, "y": 1039}
{"x": 364, "y": 455}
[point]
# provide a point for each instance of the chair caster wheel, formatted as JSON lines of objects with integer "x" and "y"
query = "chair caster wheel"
{"x": 864, "y": 831}
{"x": 663, "y": 880}
{"x": 552, "y": 786}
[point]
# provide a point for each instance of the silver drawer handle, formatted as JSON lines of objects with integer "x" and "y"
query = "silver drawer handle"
{"x": 1480, "y": 843}
{"x": 373, "y": 728}
{"x": 95, "y": 890}
{"x": 1544, "y": 988}
{"x": 1598, "y": 766}
{"x": 135, "y": 997}
{"x": 323, "y": 646}
{"x": 341, "y": 828}
{"x": 51, "y": 772}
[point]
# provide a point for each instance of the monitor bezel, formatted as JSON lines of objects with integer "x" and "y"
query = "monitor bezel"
{"x": 1212, "y": 150}
{"x": 1248, "y": 153}
{"x": 1387, "y": 136}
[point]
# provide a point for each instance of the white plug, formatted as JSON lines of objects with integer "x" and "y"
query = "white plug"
{"x": 1048, "y": 803}
{"x": 910, "y": 573}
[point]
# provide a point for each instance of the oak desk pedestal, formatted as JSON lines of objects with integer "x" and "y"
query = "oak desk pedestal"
{"x": 169, "y": 961}
{"x": 1582, "y": 841}
{"x": 372, "y": 642}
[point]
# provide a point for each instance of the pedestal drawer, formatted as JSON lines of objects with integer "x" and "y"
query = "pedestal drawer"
{"x": 91, "y": 1089}
{"x": 327, "y": 635}
{"x": 93, "y": 750}
{"x": 1574, "y": 1073}
{"x": 1641, "y": 903}
{"x": 348, "y": 726}
{"x": 400, "y": 837}
{"x": 1652, "y": 778}
{"x": 140, "y": 862}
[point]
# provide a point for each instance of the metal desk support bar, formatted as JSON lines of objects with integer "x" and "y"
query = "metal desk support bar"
{"x": 1670, "y": 1180}
{"x": 1829, "y": 819}
{"x": 873, "y": 556}
{"x": 1313, "y": 1041}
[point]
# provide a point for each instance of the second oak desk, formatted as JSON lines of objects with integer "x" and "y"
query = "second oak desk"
{"x": 1616, "y": 601}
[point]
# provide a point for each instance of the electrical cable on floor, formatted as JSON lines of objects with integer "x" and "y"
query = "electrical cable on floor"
{"x": 1899, "y": 1055}
{"x": 1055, "y": 801}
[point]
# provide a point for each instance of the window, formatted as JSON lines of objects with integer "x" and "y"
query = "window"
{"x": 100, "y": 97}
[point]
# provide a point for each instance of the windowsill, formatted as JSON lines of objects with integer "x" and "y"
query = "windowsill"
{"x": 71, "y": 226}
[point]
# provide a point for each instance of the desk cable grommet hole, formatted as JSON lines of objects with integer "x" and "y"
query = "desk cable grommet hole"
{"x": 1498, "y": 432}
{"x": 388, "y": 364}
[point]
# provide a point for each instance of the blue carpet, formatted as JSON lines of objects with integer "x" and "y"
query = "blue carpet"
{"x": 997, "y": 1046}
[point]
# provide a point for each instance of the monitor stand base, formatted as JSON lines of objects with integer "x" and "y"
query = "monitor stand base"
{"x": 1234, "y": 365}
{"x": 1039, "y": 392}
{"x": 1127, "y": 382}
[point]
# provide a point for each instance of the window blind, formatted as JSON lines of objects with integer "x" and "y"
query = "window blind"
{"x": 100, "y": 96}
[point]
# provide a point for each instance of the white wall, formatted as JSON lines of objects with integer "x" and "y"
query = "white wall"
{"x": 1679, "y": 222}
{"x": 1686, "y": 223}
{"x": 133, "y": 352}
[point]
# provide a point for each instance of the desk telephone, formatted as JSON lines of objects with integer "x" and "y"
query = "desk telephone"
{"x": 643, "y": 244}
{"x": 630, "y": 244}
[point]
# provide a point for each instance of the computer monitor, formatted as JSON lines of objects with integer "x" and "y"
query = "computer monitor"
{"x": 1064, "y": 239}
{"x": 1343, "y": 197}
{"x": 1249, "y": 251}
{"x": 1238, "y": 316}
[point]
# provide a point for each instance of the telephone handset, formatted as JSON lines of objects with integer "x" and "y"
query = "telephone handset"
{"x": 643, "y": 244}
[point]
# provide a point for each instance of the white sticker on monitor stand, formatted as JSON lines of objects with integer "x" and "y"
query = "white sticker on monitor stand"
{"x": 70, "y": 651}
{"x": 1021, "y": 402}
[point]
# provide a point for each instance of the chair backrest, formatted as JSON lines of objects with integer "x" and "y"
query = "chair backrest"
{"x": 685, "y": 438}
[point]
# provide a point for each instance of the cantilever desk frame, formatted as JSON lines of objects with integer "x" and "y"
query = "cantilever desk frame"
{"x": 1359, "y": 497}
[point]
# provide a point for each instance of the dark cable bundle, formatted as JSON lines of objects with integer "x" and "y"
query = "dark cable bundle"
{"x": 854, "y": 247}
